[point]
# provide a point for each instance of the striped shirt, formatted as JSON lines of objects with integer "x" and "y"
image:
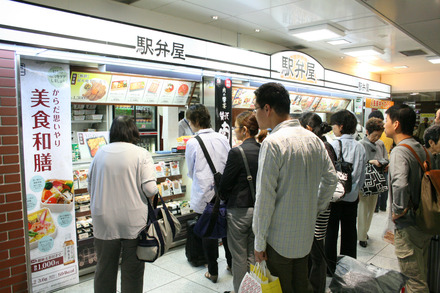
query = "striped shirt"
{"x": 295, "y": 181}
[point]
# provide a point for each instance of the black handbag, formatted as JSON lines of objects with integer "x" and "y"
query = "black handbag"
{"x": 212, "y": 223}
{"x": 375, "y": 181}
{"x": 344, "y": 170}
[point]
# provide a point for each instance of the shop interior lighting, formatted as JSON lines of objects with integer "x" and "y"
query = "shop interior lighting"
{"x": 317, "y": 32}
{"x": 339, "y": 42}
{"x": 214, "y": 17}
{"x": 400, "y": 67}
{"x": 433, "y": 59}
{"x": 257, "y": 30}
{"x": 363, "y": 51}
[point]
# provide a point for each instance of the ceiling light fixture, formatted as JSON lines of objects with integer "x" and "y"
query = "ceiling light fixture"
{"x": 363, "y": 51}
{"x": 214, "y": 17}
{"x": 317, "y": 32}
{"x": 400, "y": 67}
{"x": 257, "y": 30}
{"x": 339, "y": 42}
{"x": 433, "y": 59}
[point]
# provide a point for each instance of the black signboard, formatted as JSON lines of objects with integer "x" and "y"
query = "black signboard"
{"x": 223, "y": 106}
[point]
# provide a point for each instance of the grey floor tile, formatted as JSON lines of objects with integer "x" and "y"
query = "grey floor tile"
{"x": 224, "y": 282}
{"x": 182, "y": 286}
{"x": 178, "y": 264}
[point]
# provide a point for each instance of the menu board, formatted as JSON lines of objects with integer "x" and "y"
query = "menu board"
{"x": 118, "y": 88}
{"x": 89, "y": 87}
{"x": 306, "y": 103}
{"x": 90, "y": 142}
{"x": 106, "y": 88}
{"x": 244, "y": 98}
{"x": 315, "y": 103}
{"x": 295, "y": 99}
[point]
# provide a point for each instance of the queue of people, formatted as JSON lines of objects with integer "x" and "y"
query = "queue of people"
{"x": 280, "y": 207}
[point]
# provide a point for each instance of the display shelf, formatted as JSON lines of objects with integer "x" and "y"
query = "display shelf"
{"x": 83, "y": 214}
{"x": 86, "y": 121}
{"x": 80, "y": 191}
{"x": 172, "y": 178}
{"x": 174, "y": 196}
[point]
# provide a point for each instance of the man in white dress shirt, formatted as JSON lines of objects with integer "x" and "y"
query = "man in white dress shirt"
{"x": 295, "y": 181}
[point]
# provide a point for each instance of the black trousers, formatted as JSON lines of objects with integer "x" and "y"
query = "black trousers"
{"x": 344, "y": 213}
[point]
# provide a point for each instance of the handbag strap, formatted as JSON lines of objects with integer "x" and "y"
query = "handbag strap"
{"x": 248, "y": 172}
{"x": 418, "y": 158}
{"x": 340, "y": 151}
{"x": 205, "y": 152}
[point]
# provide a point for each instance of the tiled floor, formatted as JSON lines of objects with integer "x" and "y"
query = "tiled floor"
{"x": 173, "y": 273}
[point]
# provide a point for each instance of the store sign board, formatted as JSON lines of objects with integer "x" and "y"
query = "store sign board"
{"x": 359, "y": 85}
{"x": 296, "y": 67}
{"x": 47, "y": 151}
{"x": 223, "y": 106}
{"x": 378, "y": 104}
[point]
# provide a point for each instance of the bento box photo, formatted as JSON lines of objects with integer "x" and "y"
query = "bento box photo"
{"x": 57, "y": 195}
{"x": 40, "y": 224}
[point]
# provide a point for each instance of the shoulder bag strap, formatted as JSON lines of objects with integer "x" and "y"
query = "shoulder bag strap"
{"x": 340, "y": 151}
{"x": 416, "y": 156}
{"x": 205, "y": 151}
{"x": 248, "y": 172}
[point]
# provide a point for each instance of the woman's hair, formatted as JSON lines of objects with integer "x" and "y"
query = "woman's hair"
{"x": 432, "y": 133}
{"x": 315, "y": 122}
{"x": 346, "y": 119}
{"x": 199, "y": 114}
{"x": 124, "y": 129}
{"x": 249, "y": 120}
{"x": 262, "y": 135}
{"x": 374, "y": 124}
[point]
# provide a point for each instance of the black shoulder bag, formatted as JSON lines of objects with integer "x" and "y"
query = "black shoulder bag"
{"x": 344, "y": 170}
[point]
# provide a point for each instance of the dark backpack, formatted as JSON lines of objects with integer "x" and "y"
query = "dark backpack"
{"x": 428, "y": 211}
{"x": 344, "y": 170}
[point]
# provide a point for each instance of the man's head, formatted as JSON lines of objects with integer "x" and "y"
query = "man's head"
{"x": 425, "y": 120}
{"x": 376, "y": 114}
{"x": 272, "y": 103}
{"x": 401, "y": 119}
{"x": 437, "y": 117}
{"x": 431, "y": 138}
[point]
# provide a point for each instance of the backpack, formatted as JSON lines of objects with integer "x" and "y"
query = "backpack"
{"x": 428, "y": 211}
{"x": 343, "y": 170}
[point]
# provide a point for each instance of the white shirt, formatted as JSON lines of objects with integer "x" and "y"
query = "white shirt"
{"x": 202, "y": 190}
{"x": 118, "y": 204}
{"x": 295, "y": 181}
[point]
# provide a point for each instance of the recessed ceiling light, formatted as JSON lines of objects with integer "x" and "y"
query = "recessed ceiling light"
{"x": 414, "y": 94}
{"x": 339, "y": 42}
{"x": 214, "y": 17}
{"x": 257, "y": 30}
{"x": 317, "y": 32}
{"x": 433, "y": 59}
{"x": 363, "y": 51}
{"x": 400, "y": 67}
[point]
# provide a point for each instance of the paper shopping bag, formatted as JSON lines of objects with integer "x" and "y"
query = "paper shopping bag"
{"x": 259, "y": 280}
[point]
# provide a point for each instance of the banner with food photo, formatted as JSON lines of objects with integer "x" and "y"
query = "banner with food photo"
{"x": 183, "y": 91}
{"x": 153, "y": 91}
{"x": 89, "y": 87}
{"x": 169, "y": 90}
{"x": 136, "y": 89}
{"x": 47, "y": 160}
{"x": 90, "y": 142}
{"x": 118, "y": 88}
{"x": 244, "y": 98}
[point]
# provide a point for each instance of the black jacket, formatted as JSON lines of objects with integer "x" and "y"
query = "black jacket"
{"x": 234, "y": 187}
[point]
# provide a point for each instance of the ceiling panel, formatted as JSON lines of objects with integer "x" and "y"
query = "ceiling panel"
{"x": 361, "y": 23}
{"x": 428, "y": 32}
{"x": 152, "y": 4}
{"x": 233, "y": 7}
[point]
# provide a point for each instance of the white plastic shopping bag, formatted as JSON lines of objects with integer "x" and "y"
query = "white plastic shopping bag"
{"x": 259, "y": 280}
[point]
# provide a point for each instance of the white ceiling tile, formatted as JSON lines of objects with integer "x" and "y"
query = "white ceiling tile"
{"x": 152, "y": 4}
{"x": 233, "y": 7}
{"x": 362, "y": 23}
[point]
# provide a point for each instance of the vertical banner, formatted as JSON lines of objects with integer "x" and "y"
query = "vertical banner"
{"x": 47, "y": 151}
{"x": 223, "y": 106}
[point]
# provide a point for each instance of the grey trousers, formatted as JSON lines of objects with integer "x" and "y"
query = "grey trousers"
{"x": 292, "y": 272}
{"x": 132, "y": 269}
{"x": 240, "y": 242}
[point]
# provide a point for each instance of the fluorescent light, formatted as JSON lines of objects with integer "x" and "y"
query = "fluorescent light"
{"x": 363, "y": 51}
{"x": 257, "y": 30}
{"x": 339, "y": 42}
{"x": 433, "y": 59}
{"x": 317, "y": 32}
{"x": 400, "y": 67}
{"x": 214, "y": 17}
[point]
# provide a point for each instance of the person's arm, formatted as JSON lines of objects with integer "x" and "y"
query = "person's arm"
{"x": 148, "y": 175}
{"x": 359, "y": 162}
{"x": 328, "y": 183}
{"x": 399, "y": 171}
{"x": 267, "y": 178}
{"x": 230, "y": 173}
{"x": 190, "y": 156}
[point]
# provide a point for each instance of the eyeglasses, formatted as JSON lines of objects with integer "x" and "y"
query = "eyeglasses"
{"x": 234, "y": 127}
{"x": 255, "y": 110}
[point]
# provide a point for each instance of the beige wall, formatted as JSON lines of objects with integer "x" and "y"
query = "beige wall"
{"x": 413, "y": 82}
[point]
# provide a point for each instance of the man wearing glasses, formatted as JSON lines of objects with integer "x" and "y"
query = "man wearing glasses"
{"x": 295, "y": 181}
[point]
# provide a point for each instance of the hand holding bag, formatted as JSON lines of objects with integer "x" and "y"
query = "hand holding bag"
{"x": 212, "y": 223}
{"x": 343, "y": 170}
{"x": 259, "y": 280}
{"x": 375, "y": 181}
{"x": 156, "y": 238}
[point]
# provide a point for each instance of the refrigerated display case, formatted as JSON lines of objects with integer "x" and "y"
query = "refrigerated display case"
{"x": 145, "y": 118}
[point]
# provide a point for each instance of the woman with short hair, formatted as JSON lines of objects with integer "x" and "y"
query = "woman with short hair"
{"x": 121, "y": 177}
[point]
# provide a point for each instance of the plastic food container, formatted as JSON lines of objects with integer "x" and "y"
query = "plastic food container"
{"x": 90, "y": 106}
{"x": 94, "y": 117}
{"x": 78, "y": 106}
{"x": 89, "y": 112}
{"x": 57, "y": 195}
{"x": 40, "y": 224}
{"x": 79, "y": 118}
{"x": 79, "y": 112}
